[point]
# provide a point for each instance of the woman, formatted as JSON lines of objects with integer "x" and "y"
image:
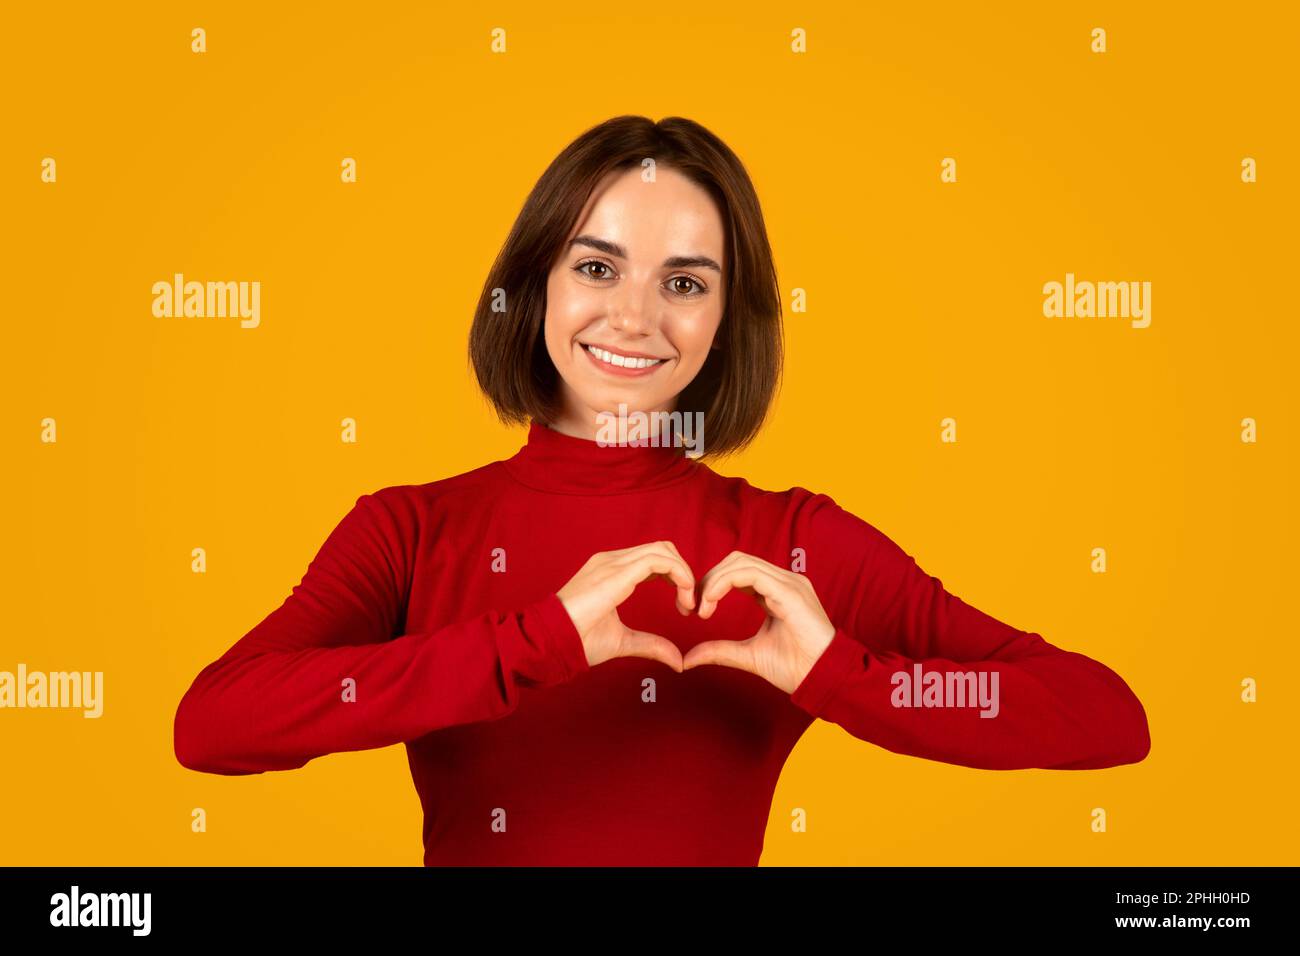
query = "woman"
{"x": 554, "y": 712}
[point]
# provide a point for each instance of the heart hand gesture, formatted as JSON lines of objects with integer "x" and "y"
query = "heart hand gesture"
{"x": 592, "y": 597}
{"x": 795, "y": 634}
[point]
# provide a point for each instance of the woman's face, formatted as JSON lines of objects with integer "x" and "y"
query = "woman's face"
{"x": 634, "y": 300}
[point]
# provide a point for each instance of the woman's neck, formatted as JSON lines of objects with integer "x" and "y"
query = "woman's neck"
{"x": 595, "y": 425}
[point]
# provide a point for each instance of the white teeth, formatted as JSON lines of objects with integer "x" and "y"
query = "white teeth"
{"x": 622, "y": 361}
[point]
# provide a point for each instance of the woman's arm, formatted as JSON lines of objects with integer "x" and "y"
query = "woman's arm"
{"x": 281, "y": 695}
{"x": 1056, "y": 709}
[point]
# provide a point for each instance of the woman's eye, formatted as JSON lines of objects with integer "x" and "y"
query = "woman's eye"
{"x": 676, "y": 280}
{"x": 583, "y": 266}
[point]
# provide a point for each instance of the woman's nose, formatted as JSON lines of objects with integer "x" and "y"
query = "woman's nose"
{"x": 631, "y": 312}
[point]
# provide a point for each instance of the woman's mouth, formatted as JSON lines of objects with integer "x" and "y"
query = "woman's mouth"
{"x": 619, "y": 363}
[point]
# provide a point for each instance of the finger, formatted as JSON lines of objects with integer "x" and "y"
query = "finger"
{"x": 660, "y": 562}
{"x": 662, "y": 547}
{"x": 628, "y": 554}
{"x": 737, "y": 654}
{"x": 719, "y": 568}
{"x": 681, "y": 594}
{"x": 631, "y": 555}
{"x": 671, "y": 548}
{"x": 744, "y": 557}
{"x": 731, "y": 560}
{"x": 685, "y": 597}
{"x": 764, "y": 582}
{"x": 752, "y": 592}
{"x": 737, "y": 559}
{"x": 652, "y": 646}
{"x": 764, "y": 564}
{"x": 685, "y": 600}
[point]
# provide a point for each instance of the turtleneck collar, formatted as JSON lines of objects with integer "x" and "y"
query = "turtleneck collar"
{"x": 554, "y": 462}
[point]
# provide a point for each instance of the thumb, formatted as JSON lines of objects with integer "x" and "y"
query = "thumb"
{"x": 737, "y": 654}
{"x": 653, "y": 646}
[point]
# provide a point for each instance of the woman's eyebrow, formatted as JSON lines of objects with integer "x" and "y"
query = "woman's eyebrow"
{"x": 673, "y": 262}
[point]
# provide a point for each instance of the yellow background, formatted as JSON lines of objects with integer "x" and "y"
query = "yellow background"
{"x": 925, "y": 302}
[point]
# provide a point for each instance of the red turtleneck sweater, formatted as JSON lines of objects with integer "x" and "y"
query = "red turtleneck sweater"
{"x": 429, "y": 617}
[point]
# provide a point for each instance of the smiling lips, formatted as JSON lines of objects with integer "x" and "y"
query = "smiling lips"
{"x": 620, "y": 363}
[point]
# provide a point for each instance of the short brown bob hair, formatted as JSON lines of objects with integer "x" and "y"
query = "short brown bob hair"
{"x": 507, "y": 349}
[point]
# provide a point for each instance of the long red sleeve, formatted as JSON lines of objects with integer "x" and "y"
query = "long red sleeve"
{"x": 276, "y": 699}
{"x": 1057, "y": 709}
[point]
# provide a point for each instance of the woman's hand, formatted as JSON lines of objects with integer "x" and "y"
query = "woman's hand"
{"x": 792, "y": 638}
{"x": 593, "y": 595}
